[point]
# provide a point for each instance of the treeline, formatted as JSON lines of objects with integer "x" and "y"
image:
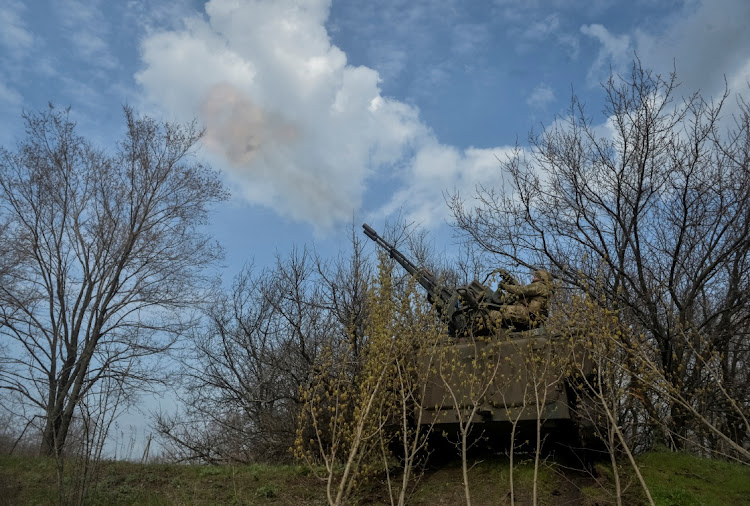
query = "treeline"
{"x": 644, "y": 223}
{"x": 244, "y": 369}
{"x": 264, "y": 341}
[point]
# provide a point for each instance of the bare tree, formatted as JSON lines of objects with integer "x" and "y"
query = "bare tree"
{"x": 232, "y": 395}
{"x": 344, "y": 285}
{"x": 87, "y": 436}
{"x": 598, "y": 363}
{"x": 657, "y": 204}
{"x": 258, "y": 348}
{"x": 466, "y": 374}
{"x": 416, "y": 334}
{"x": 103, "y": 257}
{"x": 346, "y": 407}
{"x": 361, "y": 410}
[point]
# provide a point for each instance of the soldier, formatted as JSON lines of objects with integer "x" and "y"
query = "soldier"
{"x": 530, "y": 306}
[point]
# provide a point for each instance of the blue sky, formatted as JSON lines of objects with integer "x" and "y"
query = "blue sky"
{"x": 320, "y": 113}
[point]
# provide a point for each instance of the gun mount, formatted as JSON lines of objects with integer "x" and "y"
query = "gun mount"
{"x": 464, "y": 309}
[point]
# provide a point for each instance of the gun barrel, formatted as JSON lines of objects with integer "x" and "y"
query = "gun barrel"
{"x": 392, "y": 251}
{"x": 445, "y": 300}
{"x": 434, "y": 290}
{"x": 369, "y": 232}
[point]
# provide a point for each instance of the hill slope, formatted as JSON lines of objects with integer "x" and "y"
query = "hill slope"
{"x": 674, "y": 479}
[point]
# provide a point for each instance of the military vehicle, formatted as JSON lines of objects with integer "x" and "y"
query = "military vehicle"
{"x": 529, "y": 369}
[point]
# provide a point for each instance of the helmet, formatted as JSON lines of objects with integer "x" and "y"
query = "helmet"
{"x": 543, "y": 275}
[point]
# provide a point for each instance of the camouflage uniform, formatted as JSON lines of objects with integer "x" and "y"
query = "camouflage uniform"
{"x": 531, "y": 305}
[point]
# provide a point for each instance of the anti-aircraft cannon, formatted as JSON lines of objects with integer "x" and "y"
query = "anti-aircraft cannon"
{"x": 465, "y": 309}
{"x": 471, "y": 312}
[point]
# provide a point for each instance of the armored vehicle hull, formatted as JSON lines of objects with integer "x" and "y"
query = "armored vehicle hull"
{"x": 513, "y": 379}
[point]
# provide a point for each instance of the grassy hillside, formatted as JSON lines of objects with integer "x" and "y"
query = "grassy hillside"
{"x": 674, "y": 479}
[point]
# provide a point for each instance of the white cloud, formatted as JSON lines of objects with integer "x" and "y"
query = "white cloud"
{"x": 705, "y": 40}
{"x": 541, "y": 96}
{"x": 13, "y": 32}
{"x": 439, "y": 171}
{"x": 517, "y": 10}
{"x": 149, "y": 14}
{"x": 540, "y": 30}
{"x": 16, "y": 43}
{"x": 9, "y": 95}
{"x": 87, "y": 29}
{"x": 530, "y": 28}
{"x": 300, "y": 130}
{"x": 467, "y": 37}
{"x": 615, "y": 52}
{"x": 739, "y": 79}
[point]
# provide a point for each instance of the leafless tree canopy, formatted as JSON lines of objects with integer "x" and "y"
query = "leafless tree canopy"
{"x": 102, "y": 253}
{"x": 652, "y": 211}
{"x": 241, "y": 390}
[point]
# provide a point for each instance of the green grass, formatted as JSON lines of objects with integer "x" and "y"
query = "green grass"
{"x": 673, "y": 479}
{"x": 680, "y": 479}
{"x": 25, "y": 480}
